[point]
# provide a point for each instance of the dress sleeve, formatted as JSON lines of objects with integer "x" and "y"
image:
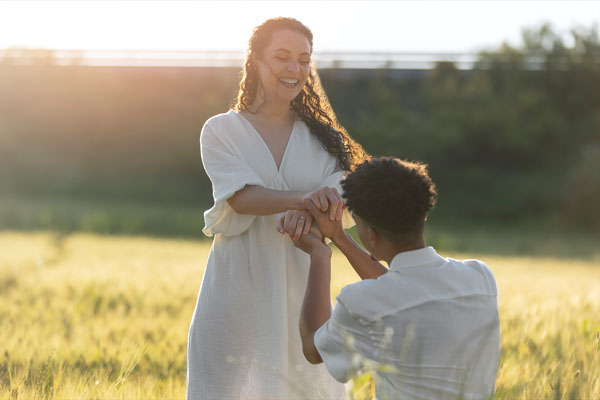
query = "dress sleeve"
{"x": 228, "y": 172}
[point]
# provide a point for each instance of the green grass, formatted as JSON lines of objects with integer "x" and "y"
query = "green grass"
{"x": 97, "y": 317}
{"x": 168, "y": 219}
{"x": 522, "y": 238}
{"x": 66, "y": 215}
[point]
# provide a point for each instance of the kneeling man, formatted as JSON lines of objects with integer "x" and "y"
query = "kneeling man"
{"x": 429, "y": 323}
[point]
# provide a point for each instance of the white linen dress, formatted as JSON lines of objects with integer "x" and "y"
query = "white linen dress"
{"x": 243, "y": 340}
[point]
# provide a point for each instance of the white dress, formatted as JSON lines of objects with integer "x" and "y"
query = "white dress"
{"x": 243, "y": 340}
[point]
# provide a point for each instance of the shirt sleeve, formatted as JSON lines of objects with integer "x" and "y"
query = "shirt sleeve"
{"x": 334, "y": 341}
{"x": 228, "y": 173}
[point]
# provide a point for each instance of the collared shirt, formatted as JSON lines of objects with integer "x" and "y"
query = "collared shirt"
{"x": 428, "y": 328}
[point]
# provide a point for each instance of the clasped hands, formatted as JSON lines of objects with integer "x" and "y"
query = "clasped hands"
{"x": 325, "y": 205}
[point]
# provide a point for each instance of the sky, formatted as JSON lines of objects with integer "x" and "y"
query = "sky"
{"x": 340, "y": 26}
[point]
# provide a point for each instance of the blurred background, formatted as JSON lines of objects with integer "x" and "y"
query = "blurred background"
{"x": 102, "y": 103}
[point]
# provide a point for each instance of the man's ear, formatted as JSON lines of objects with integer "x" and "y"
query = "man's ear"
{"x": 374, "y": 237}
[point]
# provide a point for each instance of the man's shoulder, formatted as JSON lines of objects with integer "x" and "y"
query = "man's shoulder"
{"x": 373, "y": 298}
{"x": 477, "y": 274}
{"x": 393, "y": 292}
{"x": 355, "y": 290}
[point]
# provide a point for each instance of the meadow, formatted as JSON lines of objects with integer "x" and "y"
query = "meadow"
{"x": 86, "y": 316}
{"x": 100, "y": 173}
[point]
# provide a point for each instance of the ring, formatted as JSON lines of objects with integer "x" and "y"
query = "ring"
{"x": 300, "y": 217}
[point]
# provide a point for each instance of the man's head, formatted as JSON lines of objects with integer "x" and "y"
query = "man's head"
{"x": 390, "y": 199}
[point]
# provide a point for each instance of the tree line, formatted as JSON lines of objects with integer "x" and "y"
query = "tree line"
{"x": 516, "y": 137}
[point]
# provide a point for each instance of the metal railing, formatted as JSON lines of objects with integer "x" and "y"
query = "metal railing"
{"x": 191, "y": 58}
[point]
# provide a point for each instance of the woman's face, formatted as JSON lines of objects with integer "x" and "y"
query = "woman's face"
{"x": 285, "y": 65}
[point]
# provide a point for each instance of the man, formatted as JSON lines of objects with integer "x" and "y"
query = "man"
{"x": 428, "y": 326}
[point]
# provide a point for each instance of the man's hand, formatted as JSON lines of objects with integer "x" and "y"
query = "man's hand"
{"x": 328, "y": 199}
{"x": 312, "y": 245}
{"x": 332, "y": 229}
{"x": 298, "y": 221}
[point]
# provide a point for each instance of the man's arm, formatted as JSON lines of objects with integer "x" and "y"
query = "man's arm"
{"x": 316, "y": 306}
{"x": 365, "y": 266}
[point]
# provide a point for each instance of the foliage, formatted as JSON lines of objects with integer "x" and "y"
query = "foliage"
{"x": 504, "y": 140}
{"x": 514, "y": 138}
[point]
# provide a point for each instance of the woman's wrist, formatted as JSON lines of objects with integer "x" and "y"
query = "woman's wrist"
{"x": 297, "y": 200}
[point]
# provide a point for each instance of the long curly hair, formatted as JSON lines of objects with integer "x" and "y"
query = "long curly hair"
{"x": 311, "y": 105}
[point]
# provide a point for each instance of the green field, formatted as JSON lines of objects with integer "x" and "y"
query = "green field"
{"x": 102, "y": 317}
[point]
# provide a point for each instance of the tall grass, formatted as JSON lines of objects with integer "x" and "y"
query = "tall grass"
{"x": 91, "y": 317}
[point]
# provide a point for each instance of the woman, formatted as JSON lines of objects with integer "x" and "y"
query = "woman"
{"x": 280, "y": 145}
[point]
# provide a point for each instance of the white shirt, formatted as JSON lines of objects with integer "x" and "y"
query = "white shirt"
{"x": 429, "y": 327}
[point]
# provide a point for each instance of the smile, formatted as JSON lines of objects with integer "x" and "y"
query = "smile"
{"x": 289, "y": 82}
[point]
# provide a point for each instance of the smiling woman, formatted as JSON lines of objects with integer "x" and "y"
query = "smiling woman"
{"x": 286, "y": 65}
{"x": 280, "y": 146}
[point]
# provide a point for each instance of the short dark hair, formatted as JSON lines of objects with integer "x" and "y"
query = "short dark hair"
{"x": 393, "y": 196}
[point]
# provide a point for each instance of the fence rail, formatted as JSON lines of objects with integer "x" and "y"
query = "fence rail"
{"x": 191, "y": 58}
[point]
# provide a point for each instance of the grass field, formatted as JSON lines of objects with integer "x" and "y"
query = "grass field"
{"x": 104, "y": 317}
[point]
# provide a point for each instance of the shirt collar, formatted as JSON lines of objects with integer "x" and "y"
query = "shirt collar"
{"x": 412, "y": 258}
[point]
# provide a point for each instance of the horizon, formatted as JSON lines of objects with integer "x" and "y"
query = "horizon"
{"x": 215, "y": 58}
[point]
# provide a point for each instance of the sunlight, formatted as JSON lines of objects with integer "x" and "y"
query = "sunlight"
{"x": 120, "y": 25}
{"x": 408, "y": 26}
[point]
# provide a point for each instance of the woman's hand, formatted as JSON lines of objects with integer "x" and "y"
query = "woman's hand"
{"x": 295, "y": 223}
{"x": 298, "y": 222}
{"x": 328, "y": 199}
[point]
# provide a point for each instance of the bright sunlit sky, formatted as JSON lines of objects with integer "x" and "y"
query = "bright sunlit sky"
{"x": 397, "y": 26}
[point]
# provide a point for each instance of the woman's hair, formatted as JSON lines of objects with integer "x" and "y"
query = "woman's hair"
{"x": 391, "y": 195}
{"x": 311, "y": 104}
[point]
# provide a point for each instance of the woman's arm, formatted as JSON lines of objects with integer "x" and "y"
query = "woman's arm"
{"x": 256, "y": 200}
